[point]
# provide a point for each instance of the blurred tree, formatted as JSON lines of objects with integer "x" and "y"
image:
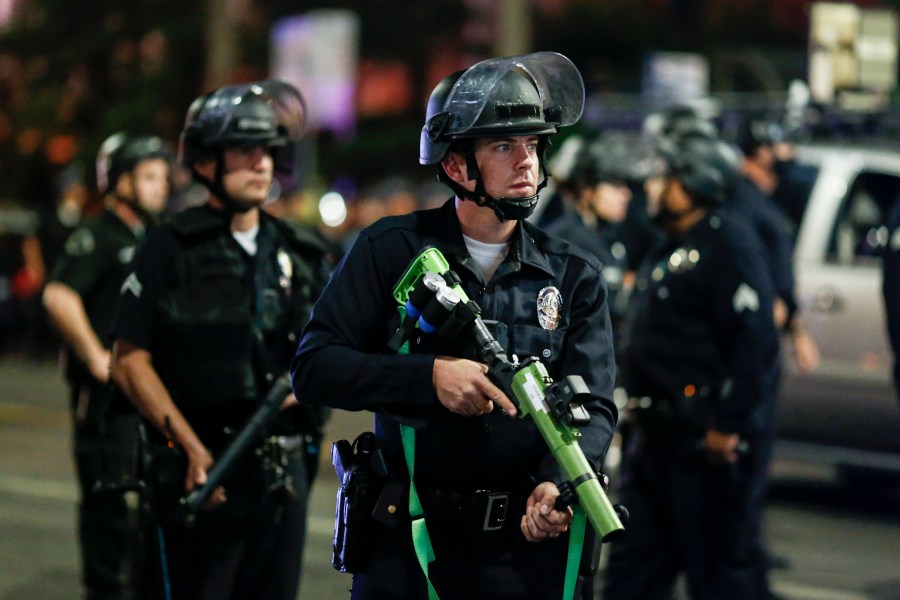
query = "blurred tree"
{"x": 83, "y": 72}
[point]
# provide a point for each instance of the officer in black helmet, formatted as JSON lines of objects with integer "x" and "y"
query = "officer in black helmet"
{"x": 598, "y": 198}
{"x": 699, "y": 338}
{"x": 208, "y": 319}
{"x": 80, "y": 297}
{"x": 485, "y": 132}
{"x": 753, "y": 200}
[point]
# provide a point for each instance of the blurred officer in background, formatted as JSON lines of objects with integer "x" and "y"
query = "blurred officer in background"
{"x": 699, "y": 339}
{"x": 41, "y": 249}
{"x": 753, "y": 200}
{"x": 596, "y": 195}
{"x": 80, "y": 298}
{"x": 597, "y": 202}
{"x": 468, "y": 448}
{"x": 208, "y": 319}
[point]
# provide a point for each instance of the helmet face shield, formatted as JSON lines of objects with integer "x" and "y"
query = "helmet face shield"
{"x": 238, "y": 115}
{"x": 708, "y": 169}
{"x": 288, "y": 104}
{"x": 520, "y": 95}
{"x": 290, "y": 114}
{"x": 558, "y": 83}
{"x": 269, "y": 113}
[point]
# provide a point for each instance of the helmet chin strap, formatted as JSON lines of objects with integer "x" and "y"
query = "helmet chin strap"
{"x": 146, "y": 217}
{"x": 506, "y": 209}
{"x": 216, "y": 186}
{"x": 666, "y": 218}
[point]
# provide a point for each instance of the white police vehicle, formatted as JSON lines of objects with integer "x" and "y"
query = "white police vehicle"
{"x": 846, "y": 413}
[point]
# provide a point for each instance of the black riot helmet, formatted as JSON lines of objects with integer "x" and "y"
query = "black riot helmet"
{"x": 121, "y": 152}
{"x": 535, "y": 94}
{"x": 606, "y": 158}
{"x": 707, "y": 168}
{"x": 756, "y": 131}
{"x": 268, "y": 113}
{"x": 678, "y": 121}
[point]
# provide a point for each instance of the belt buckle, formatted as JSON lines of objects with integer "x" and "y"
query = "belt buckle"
{"x": 494, "y": 511}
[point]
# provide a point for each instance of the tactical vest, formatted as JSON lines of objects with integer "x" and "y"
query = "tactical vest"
{"x": 231, "y": 323}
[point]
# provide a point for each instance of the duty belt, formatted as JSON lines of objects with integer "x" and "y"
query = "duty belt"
{"x": 483, "y": 511}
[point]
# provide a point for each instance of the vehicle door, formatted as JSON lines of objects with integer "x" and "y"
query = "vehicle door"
{"x": 849, "y": 400}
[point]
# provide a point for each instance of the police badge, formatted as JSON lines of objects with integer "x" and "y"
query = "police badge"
{"x": 286, "y": 269}
{"x": 549, "y": 301}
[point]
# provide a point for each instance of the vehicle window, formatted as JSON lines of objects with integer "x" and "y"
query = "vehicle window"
{"x": 859, "y": 234}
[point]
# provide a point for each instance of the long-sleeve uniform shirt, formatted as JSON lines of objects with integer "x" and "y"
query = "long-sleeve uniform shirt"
{"x": 774, "y": 231}
{"x": 700, "y": 339}
{"x": 344, "y": 360}
{"x": 95, "y": 261}
{"x": 700, "y": 330}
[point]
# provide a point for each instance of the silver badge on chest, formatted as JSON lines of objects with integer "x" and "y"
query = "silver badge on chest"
{"x": 549, "y": 301}
{"x": 286, "y": 269}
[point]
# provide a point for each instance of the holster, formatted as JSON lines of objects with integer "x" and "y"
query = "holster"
{"x": 368, "y": 500}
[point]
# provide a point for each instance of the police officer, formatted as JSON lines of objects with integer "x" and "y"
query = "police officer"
{"x": 207, "y": 320}
{"x": 699, "y": 338}
{"x": 598, "y": 203}
{"x": 80, "y": 297}
{"x": 468, "y": 447}
{"x": 753, "y": 201}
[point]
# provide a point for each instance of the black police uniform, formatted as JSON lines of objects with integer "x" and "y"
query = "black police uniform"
{"x": 95, "y": 261}
{"x": 795, "y": 184}
{"x": 601, "y": 241}
{"x": 699, "y": 338}
{"x": 221, "y": 325}
{"x": 344, "y": 361}
{"x": 776, "y": 234}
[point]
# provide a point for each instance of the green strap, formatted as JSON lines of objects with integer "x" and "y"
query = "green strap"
{"x": 576, "y": 542}
{"x": 421, "y": 539}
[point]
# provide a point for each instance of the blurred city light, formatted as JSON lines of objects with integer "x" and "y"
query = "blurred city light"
{"x": 332, "y": 209}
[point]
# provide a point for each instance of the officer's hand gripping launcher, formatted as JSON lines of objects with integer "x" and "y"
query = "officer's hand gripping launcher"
{"x": 434, "y": 301}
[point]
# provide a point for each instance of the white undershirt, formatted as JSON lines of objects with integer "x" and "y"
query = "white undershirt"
{"x": 247, "y": 239}
{"x": 487, "y": 256}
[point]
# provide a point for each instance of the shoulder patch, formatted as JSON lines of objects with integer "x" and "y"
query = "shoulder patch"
{"x": 126, "y": 254}
{"x": 81, "y": 242}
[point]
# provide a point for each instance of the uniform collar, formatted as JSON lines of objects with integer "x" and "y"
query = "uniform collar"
{"x": 116, "y": 221}
{"x": 524, "y": 250}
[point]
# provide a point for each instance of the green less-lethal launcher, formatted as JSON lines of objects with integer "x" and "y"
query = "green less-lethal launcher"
{"x": 526, "y": 384}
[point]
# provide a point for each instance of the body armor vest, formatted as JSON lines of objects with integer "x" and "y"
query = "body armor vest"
{"x": 230, "y": 324}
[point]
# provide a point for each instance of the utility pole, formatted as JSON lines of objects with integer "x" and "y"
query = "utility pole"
{"x": 512, "y": 24}
{"x": 221, "y": 41}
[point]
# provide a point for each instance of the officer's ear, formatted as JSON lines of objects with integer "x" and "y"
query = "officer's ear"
{"x": 125, "y": 185}
{"x": 454, "y": 165}
{"x": 205, "y": 166}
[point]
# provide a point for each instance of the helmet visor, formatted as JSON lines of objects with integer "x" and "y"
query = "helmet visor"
{"x": 288, "y": 104}
{"x": 557, "y": 80}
